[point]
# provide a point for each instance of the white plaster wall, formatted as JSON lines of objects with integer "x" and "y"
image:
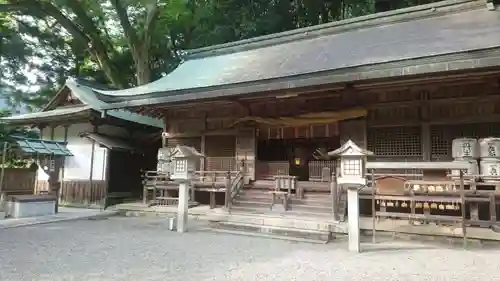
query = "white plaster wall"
{"x": 77, "y": 167}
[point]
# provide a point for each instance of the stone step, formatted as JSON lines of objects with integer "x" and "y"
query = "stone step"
{"x": 253, "y": 203}
{"x": 316, "y": 202}
{"x": 275, "y": 232}
{"x": 317, "y": 195}
{"x": 310, "y": 208}
{"x": 254, "y": 195}
{"x": 294, "y": 205}
{"x": 304, "y": 212}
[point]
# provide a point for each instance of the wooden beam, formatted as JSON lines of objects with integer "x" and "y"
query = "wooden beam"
{"x": 425, "y": 127}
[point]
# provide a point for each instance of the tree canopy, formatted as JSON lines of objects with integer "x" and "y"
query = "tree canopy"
{"x": 124, "y": 43}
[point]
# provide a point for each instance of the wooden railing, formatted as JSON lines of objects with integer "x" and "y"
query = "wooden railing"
{"x": 155, "y": 182}
{"x": 410, "y": 195}
{"x": 267, "y": 170}
{"x": 214, "y": 176}
{"x": 221, "y": 164}
{"x": 229, "y": 182}
{"x": 317, "y": 169}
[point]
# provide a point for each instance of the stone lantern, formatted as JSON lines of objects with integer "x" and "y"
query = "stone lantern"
{"x": 184, "y": 160}
{"x": 352, "y": 163}
{"x": 352, "y": 177}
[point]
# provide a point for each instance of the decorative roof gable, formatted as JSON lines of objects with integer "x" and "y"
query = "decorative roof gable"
{"x": 182, "y": 151}
{"x": 350, "y": 149}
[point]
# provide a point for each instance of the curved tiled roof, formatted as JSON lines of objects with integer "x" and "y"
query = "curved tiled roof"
{"x": 442, "y": 28}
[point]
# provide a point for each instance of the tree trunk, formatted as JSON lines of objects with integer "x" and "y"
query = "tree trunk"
{"x": 142, "y": 68}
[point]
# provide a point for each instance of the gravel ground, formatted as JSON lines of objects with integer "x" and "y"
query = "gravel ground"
{"x": 142, "y": 249}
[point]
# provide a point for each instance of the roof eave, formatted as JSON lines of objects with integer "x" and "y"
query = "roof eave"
{"x": 462, "y": 61}
{"x": 48, "y": 120}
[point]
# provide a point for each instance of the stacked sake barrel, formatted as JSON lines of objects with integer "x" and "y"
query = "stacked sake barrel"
{"x": 466, "y": 150}
{"x": 489, "y": 150}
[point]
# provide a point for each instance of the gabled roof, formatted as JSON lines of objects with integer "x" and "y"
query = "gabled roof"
{"x": 442, "y": 35}
{"x": 88, "y": 96}
{"x": 57, "y": 113}
{"x": 90, "y": 102}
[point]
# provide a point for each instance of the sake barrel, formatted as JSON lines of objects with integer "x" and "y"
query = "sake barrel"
{"x": 490, "y": 170}
{"x": 489, "y": 148}
{"x": 466, "y": 148}
{"x": 472, "y": 169}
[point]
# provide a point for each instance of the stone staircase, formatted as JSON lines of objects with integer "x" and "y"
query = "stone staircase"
{"x": 306, "y": 220}
{"x": 256, "y": 199}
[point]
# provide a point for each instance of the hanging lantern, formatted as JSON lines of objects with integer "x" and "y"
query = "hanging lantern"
{"x": 404, "y": 205}
{"x": 434, "y": 205}
{"x": 426, "y": 205}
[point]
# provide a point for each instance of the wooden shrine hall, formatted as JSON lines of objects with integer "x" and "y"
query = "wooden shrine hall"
{"x": 402, "y": 84}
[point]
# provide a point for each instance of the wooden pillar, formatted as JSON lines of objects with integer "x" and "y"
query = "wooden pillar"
{"x": 425, "y": 126}
{"x": 92, "y": 158}
{"x": 54, "y": 183}
{"x": 41, "y": 127}
{"x": 246, "y": 151}
{"x": 55, "y": 175}
{"x": 426, "y": 141}
{"x": 202, "y": 151}
{"x": 52, "y": 132}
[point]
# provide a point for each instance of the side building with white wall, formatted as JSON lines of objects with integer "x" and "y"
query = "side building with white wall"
{"x": 109, "y": 150}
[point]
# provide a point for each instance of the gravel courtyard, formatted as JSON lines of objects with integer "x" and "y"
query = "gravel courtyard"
{"x": 141, "y": 249}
